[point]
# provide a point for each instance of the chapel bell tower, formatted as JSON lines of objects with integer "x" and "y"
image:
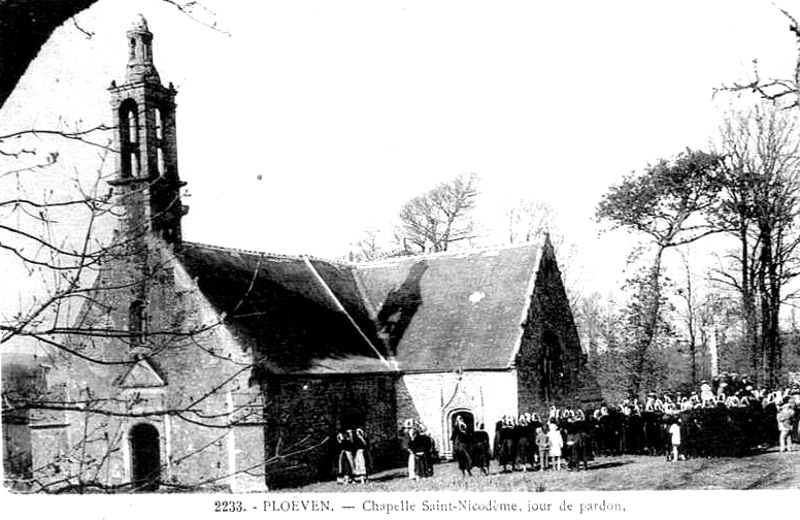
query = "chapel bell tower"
{"x": 147, "y": 183}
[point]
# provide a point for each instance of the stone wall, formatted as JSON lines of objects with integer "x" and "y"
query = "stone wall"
{"x": 550, "y": 322}
{"x": 17, "y": 463}
{"x": 304, "y": 415}
{"x": 205, "y": 386}
{"x": 19, "y": 383}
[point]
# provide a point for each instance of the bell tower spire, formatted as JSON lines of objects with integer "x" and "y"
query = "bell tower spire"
{"x": 140, "y": 54}
{"x": 147, "y": 184}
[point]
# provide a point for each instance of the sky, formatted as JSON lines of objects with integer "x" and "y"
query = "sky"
{"x": 301, "y": 124}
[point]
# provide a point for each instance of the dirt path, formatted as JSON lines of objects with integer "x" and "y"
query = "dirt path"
{"x": 769, "y": 470}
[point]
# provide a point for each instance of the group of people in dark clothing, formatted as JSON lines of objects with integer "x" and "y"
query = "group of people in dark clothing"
{"x": 471, "y": 449}
{"x": 420, "y": 448}
{"x": 719, "y": 420}
{"x": 527, "y": 443}
{"x": 723, "y": 418}
{"x": 730, "y": 418}
{"x": 524, "y": 444}
{"x": 353, "y": 460}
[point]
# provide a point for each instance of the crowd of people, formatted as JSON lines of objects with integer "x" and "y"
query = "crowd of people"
{"x": 725, "y": 417}
{"x": 529, "y": 443}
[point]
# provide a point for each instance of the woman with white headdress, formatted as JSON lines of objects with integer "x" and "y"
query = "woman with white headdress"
{"x": 362, "y": 461}
{"x": 344, "y": 472}
{"x": 408, "y": 435}
{"x": 505, "y": 443}
{"x": 706, "y": 394}
{"x": 461, "y": 438}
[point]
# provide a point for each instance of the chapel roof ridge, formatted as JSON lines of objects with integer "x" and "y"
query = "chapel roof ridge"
{"x": 300, "y": 256}
{"x": 538, "y": 241}
{"x": 386, "y": 260}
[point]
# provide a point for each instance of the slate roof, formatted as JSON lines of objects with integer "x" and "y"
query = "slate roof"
{"x": 278, "y": 307}
{"x": 304, "y": 315}
{"x": 464, "y": 310}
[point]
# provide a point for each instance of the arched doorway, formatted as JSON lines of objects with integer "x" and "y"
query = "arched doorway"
{"x": 468, "y": 418}
{"x": 145, "y": 457}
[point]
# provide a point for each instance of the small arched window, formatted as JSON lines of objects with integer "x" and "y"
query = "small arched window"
{"x": 161, "y": 145}
{"x": 136, "y": 322}
{"x": 159, "y": 125}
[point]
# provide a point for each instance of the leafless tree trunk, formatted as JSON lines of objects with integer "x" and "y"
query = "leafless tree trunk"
{"x": 53, "y": 317}
{"x": 688, "y": 296}
{"x": 432, "y": 222}
{"x": 760, "y": 207}
{"x": 527, "y": 219}
{"x": 785, "y": 91}
{"x": 25, "y": 25}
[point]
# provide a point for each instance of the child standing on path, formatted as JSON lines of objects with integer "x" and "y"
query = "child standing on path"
{"x": 785, "y": 416}
{"x": 543, "y": 445}
{"x": 675, "y": 435}
{"x": 556, "y": 443}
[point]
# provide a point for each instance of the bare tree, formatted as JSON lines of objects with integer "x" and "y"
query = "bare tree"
{"x": 760, "y": 207}
{"x": 431, "y": 222}
{"x": 601, "y": 325}
{"x": 61, "y": 318}
{"x": 372, "y": 245}
{"x": 688, "y": 293}
{"x": 787, "y": 91}
{"x": 78, "y": 316}
{"x": 526, "y": 219}
{"x": 25, "y": 26}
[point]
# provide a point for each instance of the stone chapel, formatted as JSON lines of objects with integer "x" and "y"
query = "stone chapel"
{"x": 210, "y": 367}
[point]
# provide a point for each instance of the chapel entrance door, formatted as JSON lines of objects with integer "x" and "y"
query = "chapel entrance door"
{"x": 469, "y": 420}
{"x": 145, "y": 457}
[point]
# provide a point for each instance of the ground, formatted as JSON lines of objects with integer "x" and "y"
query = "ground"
{"x": 765, "y": 470}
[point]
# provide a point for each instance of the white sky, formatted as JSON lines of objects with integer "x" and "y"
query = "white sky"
{"x": 347, "y": 109}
